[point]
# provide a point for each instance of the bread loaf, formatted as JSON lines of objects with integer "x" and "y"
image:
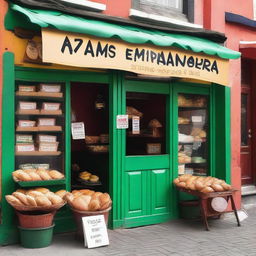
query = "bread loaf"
{"x": 199, "y": 185}
{"x": 217, "y": 187}
{"x": 176, "y": 181}
{"x": 13, "y": 200}
{"x": 81, "y": 203}
{"x": 21, "y": 197}
{"x": 31, "y": 200}
{"x": 35, "y": 176}
{"x": 61, "y": 193}
{"x": 56, "y": 174}
{"x": 43, "y": 201}
{"x": 226, "y": 186}
{"x": 42, "y": 190}
{"x": 44, "y": 175}
{"x": 55, "y": 199}
{"x": 94, "y": 205}
{"x": 207, "y": 190}
{"x": 34, "y": 193}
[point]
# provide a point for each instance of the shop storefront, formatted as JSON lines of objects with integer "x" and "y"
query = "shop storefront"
{"x": 170, "y": 90}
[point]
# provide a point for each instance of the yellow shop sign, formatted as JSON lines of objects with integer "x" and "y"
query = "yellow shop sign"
{"x": 92, "y": 52}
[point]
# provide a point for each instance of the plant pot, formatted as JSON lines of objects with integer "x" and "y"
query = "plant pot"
{"x": 36, "y": 237}
{"x": 78, "y": 219}
{"x": 35, "y": 219}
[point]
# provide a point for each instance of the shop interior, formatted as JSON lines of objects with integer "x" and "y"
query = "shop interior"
{"x": 89, "y": 156}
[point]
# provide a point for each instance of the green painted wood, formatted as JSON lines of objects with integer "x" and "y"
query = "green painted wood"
{"x": 146, "y": 162}
{"x": 41, "y": 183}
{"x": 67, "y": 153}
{"x": 147, "y": 87}
{"x": 29, "y": 74}
{"x": 148, "y": 171}
{"x": 222, "y": 137}
{"x": 7, "y": 232}
{"x": 160, "y": 191}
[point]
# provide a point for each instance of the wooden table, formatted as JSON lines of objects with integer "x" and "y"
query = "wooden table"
{"x": 204, "y": 203}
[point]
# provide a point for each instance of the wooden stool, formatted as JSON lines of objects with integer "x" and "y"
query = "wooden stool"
{"x": 204, "y": 203}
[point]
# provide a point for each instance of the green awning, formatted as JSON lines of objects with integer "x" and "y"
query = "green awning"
{"x": 130, "y": 34}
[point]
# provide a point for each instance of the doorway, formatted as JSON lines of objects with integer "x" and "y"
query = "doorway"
{"x": 247, "y": 123}
{"x": 90, "y": 156}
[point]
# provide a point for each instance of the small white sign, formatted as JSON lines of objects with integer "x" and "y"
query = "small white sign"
{"x": 122, "y": 122}
{"x": 135, "y": 125}
{"x": 197, "y": 119}
{"x": 77, "y": 130}
{"x": 95, "y": 231}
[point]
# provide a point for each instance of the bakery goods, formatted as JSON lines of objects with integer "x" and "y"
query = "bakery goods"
{"x": 61, "y": 193}
{"x": 154, "y": 123}
{"x": 21, "y": 197}
{"x": 14, "y": 200}
{"x": 43, "y": 201}
{"x": 81, "y": 203}
{"x": 42, "y": 190}
{"x": 131, "y": 111}
{"x": 56, "y": 174}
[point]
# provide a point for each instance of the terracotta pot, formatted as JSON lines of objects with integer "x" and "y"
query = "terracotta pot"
{"x": 35, "y": 219}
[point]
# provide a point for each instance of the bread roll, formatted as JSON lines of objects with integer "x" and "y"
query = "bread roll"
{"x": 35, "y": 193}
{"x": 17, "y": 173}
{"x": 13, "y": 200}
{"x": 207, "y": 190}
{"x": 217, "y": 187}
{"x": 31, "y": 200}
{"x": 42, "y": 190}
{"x": 22, "y": 176}
{"x": 28, "y": 171}
{"x": 23, "y": 191}
{"x": 176, "y": 181}
{"x": 184, "y": 177}
{"x": 34, "y": 176}
{"x": 44, "y": 175}
{"x": 94, "y": 178}
{"x": 226, "y": 186}
{"x": 199, "y": 185}
{"x": 105, "y": 206}
{"x": 96, "y": 195}
{"x": 104, "y": 198}
{"x": 87, "y": 192}
{"x": 94, "y": 205}
{"x": 181, "y": 184}
{"x": 55, "y": 199}
{"x": 81, "y": 203}
{"x": 43, "y": 201}
{"x": 21, "y": 197}
{"x": 191, "y": 186}
{"x": 61, "y": 193}
{"x": 56, "y": 174}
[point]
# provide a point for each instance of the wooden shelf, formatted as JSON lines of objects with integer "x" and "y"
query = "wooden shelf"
{"x": 41, "y": 183}
{"x": 39, "y": 153}
{"x": 40, "y": 94}
{"x": 39, "y": 129}
{"x": 41, "y": 112}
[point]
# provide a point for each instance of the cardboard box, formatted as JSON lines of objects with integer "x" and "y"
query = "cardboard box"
{"x": 46, "y": 138}
{"x": 24, "y": 139}
{"x": 153, "y": 148}
{"x": 25, "y": 147}
{"x": 50, "y": 88}
{"x": 27, "y": 105}
{"x": 46, "y": 121}
{"x": 27, "y": 88}
{"x": 26, "y": 123}
{"x": 48, "y": 146}
{"x": 50, "y": 106}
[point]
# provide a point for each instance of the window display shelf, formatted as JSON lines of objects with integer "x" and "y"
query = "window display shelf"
{"x": 41, "y": 183}
{"x": 39, "y": 153}
{"x": 40, "y": 94}
{"x": 39, "y": 112}
{"x": 39, "y": 129}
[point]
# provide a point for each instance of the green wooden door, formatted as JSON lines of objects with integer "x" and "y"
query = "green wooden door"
{"x": 146, "y": 159}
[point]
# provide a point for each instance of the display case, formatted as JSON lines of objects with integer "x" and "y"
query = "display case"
{"x": 193, "y": 129}
{"x": 39, "y": 130}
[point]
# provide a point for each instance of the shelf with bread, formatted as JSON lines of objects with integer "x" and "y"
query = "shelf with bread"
{"x": 38, "y": 177}
{"x": 49, "y": 128}
{"x": 40, "y": 112}
{"x": 43, "y": 95}
{"x": 38, "y": 153}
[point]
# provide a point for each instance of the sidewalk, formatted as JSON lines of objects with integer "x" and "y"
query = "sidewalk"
{"x": 179, "y": 237}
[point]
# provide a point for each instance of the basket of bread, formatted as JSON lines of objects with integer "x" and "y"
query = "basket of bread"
{"x": 202, "y": 184}
{"x": 36, "y": 199}
{"x": 88, "y": 178}
{"x": 87, "y": 202}
{"x": 34, "y": 174}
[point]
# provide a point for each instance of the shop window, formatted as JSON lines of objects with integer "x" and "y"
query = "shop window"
{"x": 193, "y": 134}
{"x": 146, "y": 134}
{"x": 170, "y": 11}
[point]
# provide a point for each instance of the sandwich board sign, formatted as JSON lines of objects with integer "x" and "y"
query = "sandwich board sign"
{"x": 95, "y": 231}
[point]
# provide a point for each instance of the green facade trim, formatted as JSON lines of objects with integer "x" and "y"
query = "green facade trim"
{"x": 129, "y": 34}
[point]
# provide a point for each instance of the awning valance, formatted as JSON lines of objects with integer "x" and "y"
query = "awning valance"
{"x": 130, "y": 34}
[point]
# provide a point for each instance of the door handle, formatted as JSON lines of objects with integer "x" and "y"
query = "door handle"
{"x": 249, "y": 135}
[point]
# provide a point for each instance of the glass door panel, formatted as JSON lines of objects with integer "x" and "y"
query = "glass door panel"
{"x": 193, "y": 128}
{"x": 146, "y": 134}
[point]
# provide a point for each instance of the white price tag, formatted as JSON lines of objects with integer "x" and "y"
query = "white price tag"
{"x": 77, "y": 130}
{"x": 122, "y": 122}
{"x": 197, "y": 119}
{"x": 135, "y": 125}
{"x": 95, "y": 231}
